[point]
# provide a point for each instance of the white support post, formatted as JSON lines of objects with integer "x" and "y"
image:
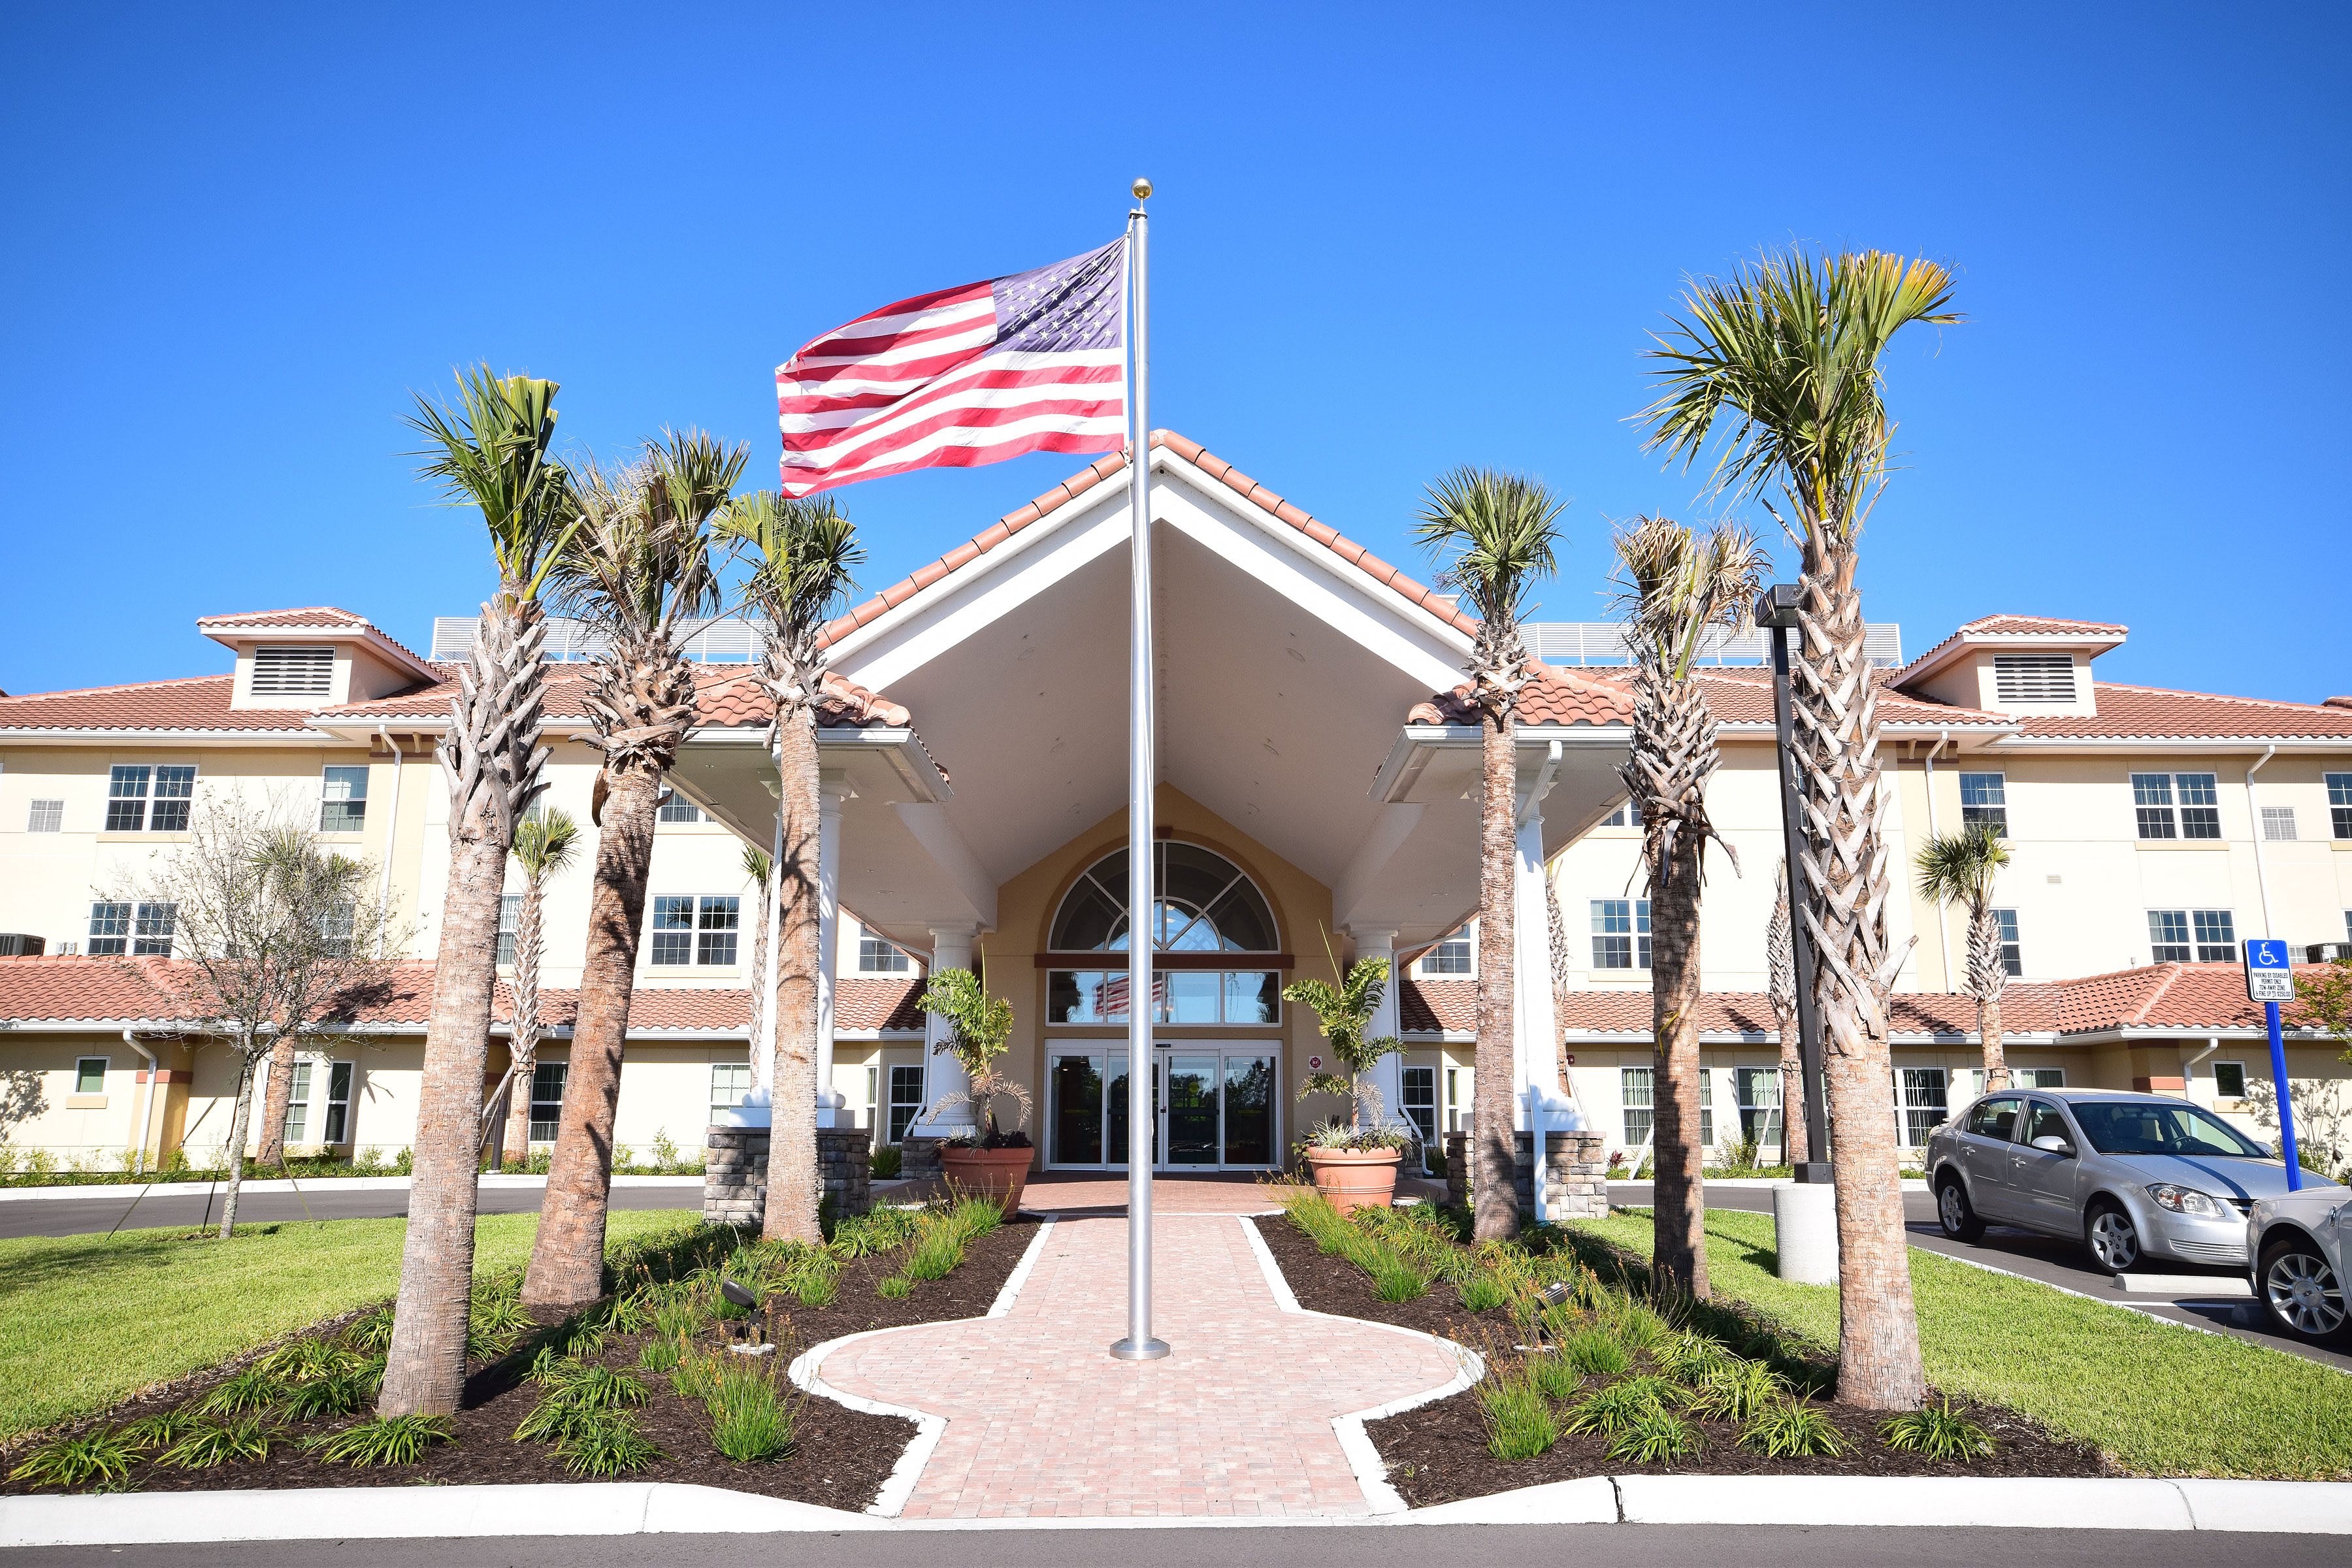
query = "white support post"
{"x": 1388, "y": 1074}
{"x": 833, "y": 788}
{"x": 942, "y": 1074}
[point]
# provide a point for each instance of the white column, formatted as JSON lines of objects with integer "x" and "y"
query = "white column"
{"x": 833, "y": 788}
{"x": 1536, "y": 1058}
{"x": 942, "y": 1074}
{"x": 1388, "y": 1073}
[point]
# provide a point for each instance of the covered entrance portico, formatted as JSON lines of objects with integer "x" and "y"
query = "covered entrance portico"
{"x": 1317, "y": 799}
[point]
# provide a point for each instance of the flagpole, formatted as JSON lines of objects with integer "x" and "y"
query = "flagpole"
{"x": 1142, "y": 771}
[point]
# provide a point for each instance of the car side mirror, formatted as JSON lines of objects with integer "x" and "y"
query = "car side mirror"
{"x": 2052, "y": 1143}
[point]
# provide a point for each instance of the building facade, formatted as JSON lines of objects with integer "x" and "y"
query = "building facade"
{"x": 1316, "y": 803}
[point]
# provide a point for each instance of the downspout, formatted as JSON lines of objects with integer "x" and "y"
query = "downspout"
{"x": 391, "y": 828}
{"x": 2262, "y": 877}
{"x": 2188, "y": 1068}
{"x": 143, "y": 1120}
{"x": 1943, "y": 925}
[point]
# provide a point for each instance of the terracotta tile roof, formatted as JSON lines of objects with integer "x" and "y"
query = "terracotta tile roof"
{"x": 1428, "y": 1007}
{"x": 197, "y": 703}
{"x": 884, "y": 1002}
{"x": 2132, "y": 713}
{"x": 319, "y": 616}
{"x": 1735, "y": 696}
{"x": 728, "y": 695}
{"x": 1551, "y": 696}
{"x": 1106, "y": 468}
{"x": 2036, "y": 628}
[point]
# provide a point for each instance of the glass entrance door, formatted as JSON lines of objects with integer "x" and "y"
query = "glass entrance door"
{"x": 1213, "y": 1108}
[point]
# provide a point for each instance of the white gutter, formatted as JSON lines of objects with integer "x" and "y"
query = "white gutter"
{"x": 1943, "y": 923}
{"x": 143, "y": 1119}
{"x": 391, "y": 828}
{"x": 2262, "y": 877}
{"x": 2188, "y": 1068}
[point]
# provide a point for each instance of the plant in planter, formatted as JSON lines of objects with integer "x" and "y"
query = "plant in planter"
{"x": 991, "y": 1161}
{"x": 1354, "y": 1162}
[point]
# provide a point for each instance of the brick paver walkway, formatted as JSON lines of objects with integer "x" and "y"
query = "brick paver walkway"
{"x": 1042, "y": 1423}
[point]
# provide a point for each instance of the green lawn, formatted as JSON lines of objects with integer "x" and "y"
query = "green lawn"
{"x": 88, "y": 1320}
{"x": 2161, "y": 1400}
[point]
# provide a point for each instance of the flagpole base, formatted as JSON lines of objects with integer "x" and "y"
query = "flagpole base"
{"x": 1128, "y": 1349}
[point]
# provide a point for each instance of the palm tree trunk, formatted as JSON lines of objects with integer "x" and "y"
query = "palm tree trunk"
{"x": 763, "y": 1038}
{"x": 1678, "y": 1216}
{"x": 237, "y": 1135}
{"x": 1493, "y": 1159}
{"x": 531, "y": 939}
{"x": 279, "y": 1092}
{"x": 1987, "y": 978}
{"x": 793, "y": 1184}
{"x": 492, "y": 759}
{"x": 1845, "y": 801}
{"x": 567, "y": 1258}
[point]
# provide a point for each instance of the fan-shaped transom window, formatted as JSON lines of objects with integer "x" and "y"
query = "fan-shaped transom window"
{"x": 1202, "y": 903}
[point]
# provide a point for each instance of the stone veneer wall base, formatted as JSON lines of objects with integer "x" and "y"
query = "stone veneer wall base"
{"x": 1576, "y": 1185}
{"x": 735, "y": 1174}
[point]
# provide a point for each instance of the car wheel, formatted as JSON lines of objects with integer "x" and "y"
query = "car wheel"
{"x": 2302, "y": 1294}
{"x": 1955, "y": 1213}
{"x": 2113, "y": 1239}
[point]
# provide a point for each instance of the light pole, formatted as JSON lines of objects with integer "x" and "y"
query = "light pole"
{"x": 1776, "y": 612}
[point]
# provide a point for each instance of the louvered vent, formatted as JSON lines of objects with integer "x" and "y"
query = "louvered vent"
{"x": 2033, "y": 677}
{"x": 293, "y": 671}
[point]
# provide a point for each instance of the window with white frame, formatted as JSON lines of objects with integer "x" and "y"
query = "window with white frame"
{"x": 873, "y": 1099}
{"x": 1757, "y": 1092}
{"x": 547, "y": 1099}
{"x": 90, "y": 1074}
{"x": 2278, "y": 824}
{"x": 1634, "y": 1094}
{"x": 2037, "y": 1078}
{"x": 2177, "y": 805}
{"x": 1621, "y": 933}
{"x": 337, "y": 921}
{"x": 701, "y": 929}
{"x": 337, "y": 1125}
{"x": 2230, "y": 1080}
{"x": 293, "y": 671}
{"x": 2032, "y": 677}
{"x": 342, "y": 799}
{"x": 906, "y": 1099}
{"x": 878, "y": 955}
{"x": 1455, "y": 1101}
{"x": 1984, "y": 798}
{"x": 2191, "y": 936}
{"x": 1624, "y": 814}
{"x": 152, "y": 931}
{"x": 1706, "y": 1108}
{"x": 1450, "y": 957}
{"x": 729, "y": 1083}
{"x": 1419, "y": 1094}
{"x": 144, "y": 799}
{"x": 140, "y": 931}
{"x": 2339, "y": 804}
{"x": 509, "y": 924}
{"x": 676, "y": 808}
{"x": 297, "y": 1127}
{"x": 46, "y": 817}
{"x": 1920, "y": 1099}
{"x": 2012, "y": 951}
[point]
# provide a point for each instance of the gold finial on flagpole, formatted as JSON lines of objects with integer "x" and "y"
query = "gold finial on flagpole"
{"x": 1142, "y": 189}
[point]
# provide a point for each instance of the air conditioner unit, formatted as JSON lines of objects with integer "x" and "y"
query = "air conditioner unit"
{"x": 16, "y": 944}
{"x": 2327, "y": 953}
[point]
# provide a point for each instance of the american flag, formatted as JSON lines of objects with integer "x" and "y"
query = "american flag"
{"x": 1035, "y": 362}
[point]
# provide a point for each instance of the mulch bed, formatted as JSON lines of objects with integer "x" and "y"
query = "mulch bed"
{"x": 1437, "y": 1452}
{"x": 841, "y": 1458}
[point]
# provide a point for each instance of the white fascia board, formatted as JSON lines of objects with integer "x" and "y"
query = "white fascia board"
{"x": 1415, "y": 742}
{"x": 2190, "y": 744}
{"x": 884, "y": 1037}
{"x": 306, "y": 736}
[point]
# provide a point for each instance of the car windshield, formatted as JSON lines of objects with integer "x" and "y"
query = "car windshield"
{"x": 2123, "y": 1127}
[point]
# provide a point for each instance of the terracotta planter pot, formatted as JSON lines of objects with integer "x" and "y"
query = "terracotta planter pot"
{"x": 1355, "y": 1178}
{"x": 998, "y": 1173}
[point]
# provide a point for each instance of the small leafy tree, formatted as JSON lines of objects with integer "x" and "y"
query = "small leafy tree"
{"x": 1344, "y": 1012}
{"x": 2323, "y": 1001}
{"x": 980, "y": 1029}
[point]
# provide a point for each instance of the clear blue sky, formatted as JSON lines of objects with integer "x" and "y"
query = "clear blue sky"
{"x": 1387, "y": 240}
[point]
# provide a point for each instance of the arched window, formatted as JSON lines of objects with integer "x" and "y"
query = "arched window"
{"x": 1202, "y": 903}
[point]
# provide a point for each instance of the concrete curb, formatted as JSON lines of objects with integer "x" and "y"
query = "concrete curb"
{"x": 1759, "y": 1183}
{"x": 306, "y": 1184}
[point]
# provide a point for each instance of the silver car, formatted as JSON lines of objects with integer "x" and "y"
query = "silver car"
{"x": 2299, "y": 1242}
{"x": 2135, "y": 1176}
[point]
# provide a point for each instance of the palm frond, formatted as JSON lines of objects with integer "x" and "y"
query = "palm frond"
{"x": 756, "y": 864}
{"x": 1495, "y": 535}
{"x": 546, "y": 843}
{"x": 1960, "y": 868}
{"x": 641, "y": 562}
{"x": 801, "y": 552}
{"x": 1673, "y": 584}
{"x": 490, "y": 450}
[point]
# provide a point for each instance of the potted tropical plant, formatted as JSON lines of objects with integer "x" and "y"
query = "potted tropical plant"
{"x": 1354, "y": 1162}
{"x": 991, "y": 1162}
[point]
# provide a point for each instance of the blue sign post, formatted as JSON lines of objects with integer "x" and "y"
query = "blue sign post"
{"x": 2270, "y": 980}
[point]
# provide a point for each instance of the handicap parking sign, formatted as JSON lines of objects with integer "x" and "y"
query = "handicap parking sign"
{"x": 2270, "y": 973}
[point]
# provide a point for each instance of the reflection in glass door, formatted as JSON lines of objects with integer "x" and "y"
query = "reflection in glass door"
{"x": 1213, "y": 1108}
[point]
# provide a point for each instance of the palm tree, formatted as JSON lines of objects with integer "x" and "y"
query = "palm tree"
{"x": 760, "y": 869}
{"x": 1781, "y": 984}
{"x": 1781, "y": 360}
{"x": 637, "y": 570}
{"x": 545, "y": 845}
{"x": 1674, "y": 586}
{"x": 1495, "y": 533}
{"x": 489, "y": 451}
{"x": 1960, "y": 869}
{"x": 801, "y": 555}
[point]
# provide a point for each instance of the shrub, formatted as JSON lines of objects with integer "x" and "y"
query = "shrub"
{"x": 100, "y": 1456}
{"x": 1394, "y": 1280}
{"x": 679, "y": 1320}
{"x": 897, "y": 1288}
{"x": 580, "y": 1336}
{"x": 387, "y": 1440}
{"x": 605, "y": 1388}
{"x": 1790, "y": 1429}
{"x": 888, "y": 1162}
{"x": 1481, "y": 1292}
{"x": 1592, "y": 1350}
{"x": 695, "y": 1377}
{"x": 1636, "y": 1326}
{"x": 1554, "y": 1376}
{"x": 1617, "y": 1406}
{"x": 332, "y": 1393}
{"x": 660, "y": 1353}
{"x": 813, "y": 1277}
{"x": 1938, "y": 1432}
{"x": 306, "y": 1359}
{"x": 159, "y": 1431}
{"x": 370, "y": 1332}
{"x": 1652, "y": 1438}
{"x": 210, "y": 1443}
{"x": 249, "y": 1390}
{"x": 750, "y": 1420}
{"x": 1691, "y": 1359}
{"x": 974, "y": 1217}
{"x": 935, "y": 1255}
{"x": 607, "y": 1443}
{"x": 1519, "y": 1424}
{"x": 875, "y": 1232}
{"x": 1736, "y": 1390}
{"x": 550, "y": 1368}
